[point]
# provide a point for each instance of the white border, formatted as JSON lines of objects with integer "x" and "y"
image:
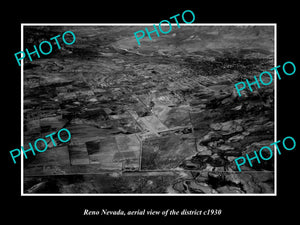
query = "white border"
{"x": 22, "y": 111}
{"x": 275, "y": 108}
{"x": 150, "y": 24}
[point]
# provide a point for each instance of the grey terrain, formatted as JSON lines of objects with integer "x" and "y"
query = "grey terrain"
{"x": 162, "y": 117}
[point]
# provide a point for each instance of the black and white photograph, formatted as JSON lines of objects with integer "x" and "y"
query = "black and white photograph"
{"x": 160, "y": 113}
{"x": 162, "y": 117}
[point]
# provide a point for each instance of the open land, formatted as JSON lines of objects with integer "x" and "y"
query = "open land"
{"x": 163, "y": 117}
